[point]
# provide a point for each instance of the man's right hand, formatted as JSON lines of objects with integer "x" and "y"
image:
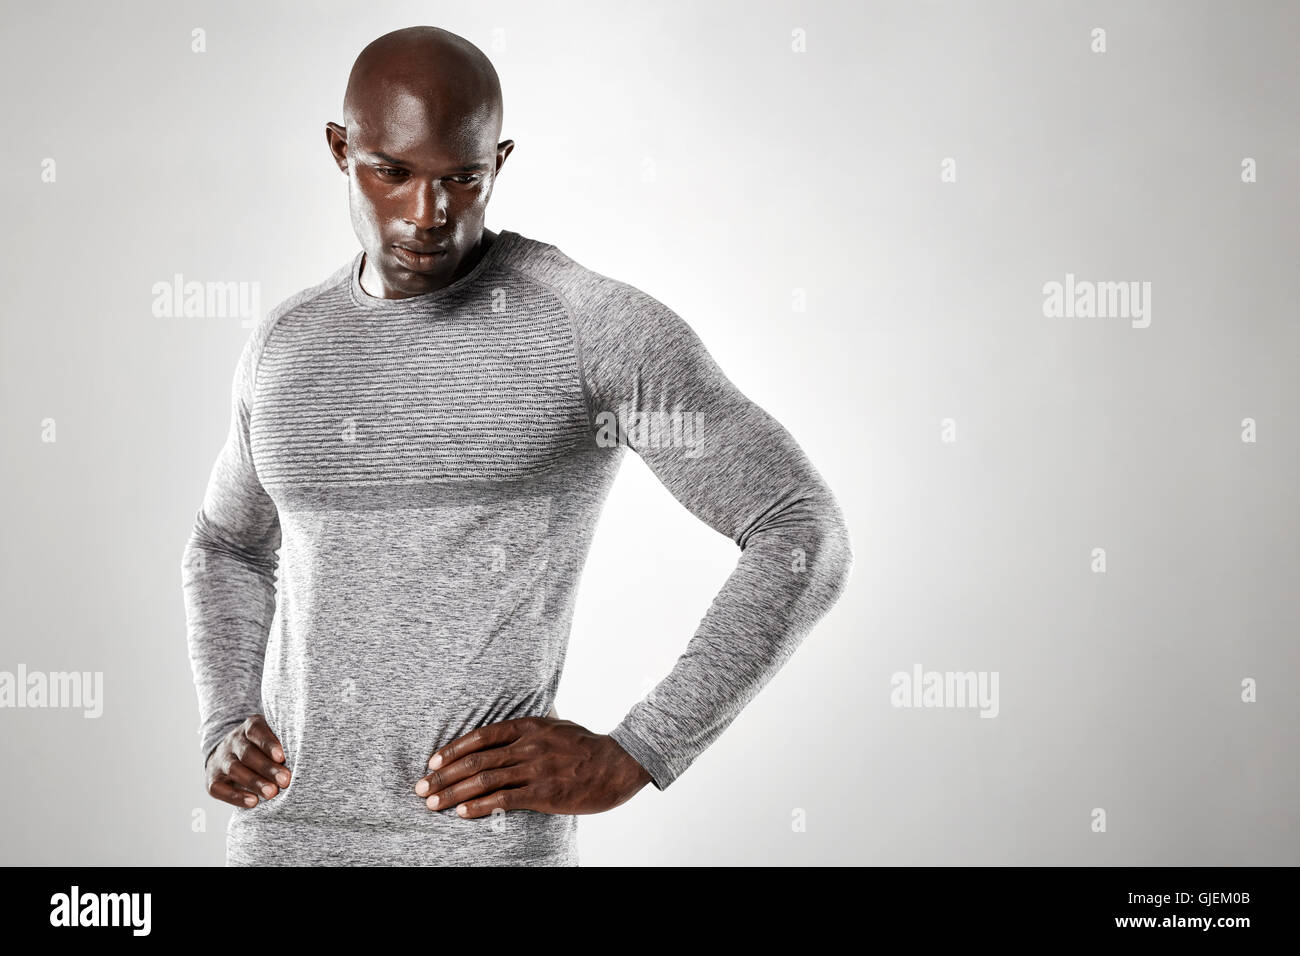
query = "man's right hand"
{"x": 248, "y": 761}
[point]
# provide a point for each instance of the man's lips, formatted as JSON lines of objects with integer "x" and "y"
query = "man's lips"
{"x": 417, "y": 259}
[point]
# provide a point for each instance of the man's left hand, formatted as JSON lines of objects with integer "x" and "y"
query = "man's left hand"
{"x": 532, "y": 763}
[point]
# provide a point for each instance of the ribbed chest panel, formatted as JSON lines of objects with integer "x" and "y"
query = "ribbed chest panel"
{"x": 484, "y": 387}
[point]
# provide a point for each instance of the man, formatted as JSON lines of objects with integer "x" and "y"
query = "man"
{"x": 420, "y": 447}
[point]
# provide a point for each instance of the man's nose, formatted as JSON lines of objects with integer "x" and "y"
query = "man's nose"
{"x": 428, "y": 209}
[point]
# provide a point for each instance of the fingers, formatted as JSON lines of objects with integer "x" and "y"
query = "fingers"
{"x": 480, "y": 760}
{"x": 490, "y": 783}
{"x": 249, "y": 762}
{"x": 255, "y": 759}
{"x": 260, "y": 734}
{"x": 224, "y": 791}
{"x": 517, "y": 798}
{"x": 493, "y": 735}
{"x": 250, "y": 780}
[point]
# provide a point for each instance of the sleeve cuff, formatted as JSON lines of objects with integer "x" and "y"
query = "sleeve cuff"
{"x": 661, "y": 775}
{"x": 208, "y": 741}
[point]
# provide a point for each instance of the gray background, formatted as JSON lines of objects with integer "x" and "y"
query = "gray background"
{"x": 772, "y": 171}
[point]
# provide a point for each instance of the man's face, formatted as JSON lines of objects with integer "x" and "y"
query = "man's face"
{"x": 418, "y": 189}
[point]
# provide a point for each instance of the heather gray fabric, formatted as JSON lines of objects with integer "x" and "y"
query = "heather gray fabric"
{"x": 420, "y": 479}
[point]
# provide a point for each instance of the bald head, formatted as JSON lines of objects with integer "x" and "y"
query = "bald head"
{"x": 419, "y": 145}
{"x": 424, "y": 70}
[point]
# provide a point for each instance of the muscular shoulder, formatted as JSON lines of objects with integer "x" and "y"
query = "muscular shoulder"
{"x": 335, "y": 284}
{"x": 611, "y": 316}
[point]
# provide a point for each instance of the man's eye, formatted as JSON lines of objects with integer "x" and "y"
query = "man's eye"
{"x": 389, "y": 171}
{"x": 465, "y": 179}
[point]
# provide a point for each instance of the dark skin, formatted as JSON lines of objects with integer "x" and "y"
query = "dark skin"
{"x": 420, "y": 147}
{"x": 249, "y": 760}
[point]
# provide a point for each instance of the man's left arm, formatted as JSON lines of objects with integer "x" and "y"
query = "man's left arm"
{"x": 741, "y": 472}
{"x": 652, "y": 386}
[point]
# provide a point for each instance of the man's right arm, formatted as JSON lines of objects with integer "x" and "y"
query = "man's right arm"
{"x": 228, "y": 572}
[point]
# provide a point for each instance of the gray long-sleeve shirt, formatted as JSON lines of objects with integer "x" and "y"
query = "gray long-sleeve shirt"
{"x": 389, "y": 546}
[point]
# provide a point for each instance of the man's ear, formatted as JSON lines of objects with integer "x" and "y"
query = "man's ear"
{"x": 337, "y": 138}
{"x": 504, "y": 149}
